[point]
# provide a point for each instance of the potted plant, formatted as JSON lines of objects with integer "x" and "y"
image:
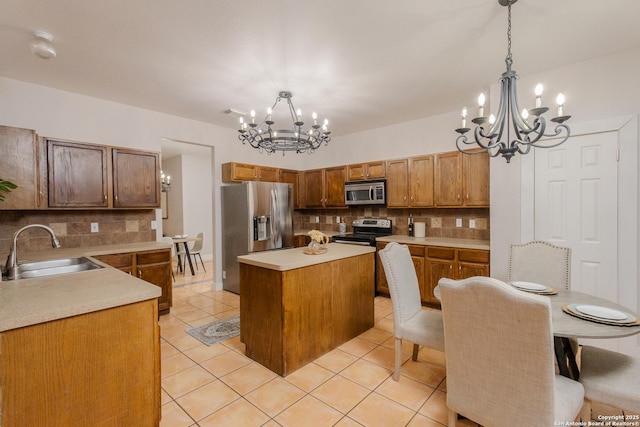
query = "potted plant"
{"x": 6, "y": 187}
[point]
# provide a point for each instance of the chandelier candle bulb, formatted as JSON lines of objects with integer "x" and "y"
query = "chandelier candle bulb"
{"x": 269, "y": 111}
{"x": 480, "y": 105}
{"x": 315, "y": 118}
{"x": 560, "y": 101}
{"x": 525, "y": 114}
{"x": 538, "y": 92}
{"x": 253, "y": 116}
{"x": 464, "y": 117}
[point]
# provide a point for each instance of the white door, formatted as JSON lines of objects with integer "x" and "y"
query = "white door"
{"x": 576, "y": 205}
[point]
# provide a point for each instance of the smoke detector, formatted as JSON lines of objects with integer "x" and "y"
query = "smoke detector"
{"x": 41, "y": 45}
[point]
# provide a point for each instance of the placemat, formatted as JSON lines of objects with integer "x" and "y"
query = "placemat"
{"x": 565, "y": 308}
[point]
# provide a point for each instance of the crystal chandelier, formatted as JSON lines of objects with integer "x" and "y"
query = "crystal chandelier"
{"x": 512, "y": 119}
{"x": 295, "y": 139}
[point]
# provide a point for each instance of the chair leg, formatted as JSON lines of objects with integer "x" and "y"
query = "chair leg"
{"x": 416, "y": 348}
{"x": 585, "y": 412}
{"x": 396, "y": 370}
{"x": 200, "y": 256}
{"x": 453, "y": 418}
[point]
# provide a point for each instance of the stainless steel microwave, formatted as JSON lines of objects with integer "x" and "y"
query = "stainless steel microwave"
{"x": 365, "y": 192}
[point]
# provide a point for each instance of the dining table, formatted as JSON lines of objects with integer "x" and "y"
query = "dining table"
{"x": 567, "y": 326}
{"x": 185, "y": 241}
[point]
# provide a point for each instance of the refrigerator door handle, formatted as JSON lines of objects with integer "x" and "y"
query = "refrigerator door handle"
{"x": 275, "y": 222}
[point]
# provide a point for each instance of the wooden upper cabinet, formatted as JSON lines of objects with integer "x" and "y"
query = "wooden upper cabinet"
{"x": 364, "y": 171}
{"x": 476, "y": 179}
{"x": 448, "y": 179}
{"x": 461, "y": 180}
{"x": 19, "y": 163}
{"x": 292, "y": 177}
{"x": 325, "y": 187}
{"x": 334, "y": 186}
{"x": 136, "y": 179}
{"x": 77, "y": 175}
{"x": 421, "y": 181}
{"x": 410, "y": 182}
{"x": 238, "y": 172}
{"x": 397, "y": 183}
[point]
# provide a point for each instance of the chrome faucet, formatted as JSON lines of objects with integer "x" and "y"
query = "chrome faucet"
{"x": 12, "y": 259}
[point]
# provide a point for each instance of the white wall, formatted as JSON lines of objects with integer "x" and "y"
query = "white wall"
{"x": 174, "y": 224}
{"x": 197, "y": 188}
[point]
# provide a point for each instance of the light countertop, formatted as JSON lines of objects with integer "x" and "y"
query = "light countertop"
{"x": 290, "y": 259}
{"x": 31, "y": 301}
{"x": 306, "y": 232}
{"x": 437, "y": 241}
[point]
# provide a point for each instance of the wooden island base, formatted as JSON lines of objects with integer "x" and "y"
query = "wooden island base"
{"x": 289, "y": 318}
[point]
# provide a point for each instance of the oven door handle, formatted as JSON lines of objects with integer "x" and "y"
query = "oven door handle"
{"x": 351, "y": 242}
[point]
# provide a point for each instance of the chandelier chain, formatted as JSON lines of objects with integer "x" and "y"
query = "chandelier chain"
{"x": 509, "y": 57}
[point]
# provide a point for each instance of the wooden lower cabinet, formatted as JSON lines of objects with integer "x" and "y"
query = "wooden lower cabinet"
{"x": 301, "y": 241}
{"x": 100, "y": 368}
{"x": 433, "y": 263}
{"x": 290, "y": 318}
{"x": 150, "y": 266}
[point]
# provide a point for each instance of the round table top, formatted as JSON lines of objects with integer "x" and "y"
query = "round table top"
{"x": 566, "y": 325}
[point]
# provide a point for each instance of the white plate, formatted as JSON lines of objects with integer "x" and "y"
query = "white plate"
{"x": 601, "y": 312}
{"x": 528, "y": 286}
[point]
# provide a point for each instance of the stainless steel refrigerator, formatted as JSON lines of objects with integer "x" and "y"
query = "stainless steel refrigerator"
{"x": 256, "y": 216}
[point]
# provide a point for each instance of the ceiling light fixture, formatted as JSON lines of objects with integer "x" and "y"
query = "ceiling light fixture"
{"x": 41, "y": 45}
{"x": 165, "y": 180}
{"x": 509, "y": 116}
{"x": 295, "y": 139}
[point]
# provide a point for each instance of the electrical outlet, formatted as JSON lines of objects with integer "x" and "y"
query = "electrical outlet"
{"x": 224, "y": 274}
{"x": 337, "y": 220}
{"x": 94, "y": 227}
{"x": 154, "y": 225}
{"x": 458, "y": 222}
{"x": 317, "y": 219}
{"x": 472, "y": 223}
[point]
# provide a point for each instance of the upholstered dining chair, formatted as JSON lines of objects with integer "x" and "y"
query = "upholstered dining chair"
{"x": 410, "y": 321}
{"x": 544, "y": 263}
{"x": 196, "y": 249}
{"x": 611, "y": 378}
{"x": 499, "y": 355}
{"x": 540, "y": 262}
{"x": 169, "y": 240}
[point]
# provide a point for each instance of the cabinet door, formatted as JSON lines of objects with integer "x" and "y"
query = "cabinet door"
{"x": 19, "y": 164}
{"x": 437, "y": 270}
{"x": 155, "y": 267}
{"x": 77, "y": 175}
{"x": 243, "y": 172}
{"x": 382, "y": 286}
{"x": 356, "y": 172}
{"x": 476, "y": 179}
{"x": 334, "y": 190}
{"x": 136, "y": 179}
{"x": 397, "y": 183}
{"x": 314, "y": 185}
{"x": 267, "y": 174}
{"x": 448, "y": 179}
{"x": 123, "y": 262}
{"x": 472, "y": 262}
{"x": 417, "y": 256}
{"x": 291, "y": 177}
{"x": 376, "y": 170}
{"x": 421, "y": 181}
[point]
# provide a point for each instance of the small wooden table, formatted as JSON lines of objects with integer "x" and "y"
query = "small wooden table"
{"x": 185, "y": 241}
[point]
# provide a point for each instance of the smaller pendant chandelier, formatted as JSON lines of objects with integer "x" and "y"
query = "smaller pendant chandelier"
{"x": 511, "y": 119}
{"x": 165, "y": 180}
{"x": 294, "y": 139}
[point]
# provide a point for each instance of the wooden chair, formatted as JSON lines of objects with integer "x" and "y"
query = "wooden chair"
{"x": 410, "y": 321}
{"x": 499, "y": 355}
{"x": 611, "y": 378}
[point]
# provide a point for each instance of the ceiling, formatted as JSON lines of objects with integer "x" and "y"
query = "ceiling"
{"x": 361, "y": 63}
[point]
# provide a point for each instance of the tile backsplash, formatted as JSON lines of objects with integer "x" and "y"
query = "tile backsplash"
{"x": 438, "y": 222}
{"x": 73, "y": 228}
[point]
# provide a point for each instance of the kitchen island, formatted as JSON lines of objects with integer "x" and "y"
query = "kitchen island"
{"x": 296, "y": 307}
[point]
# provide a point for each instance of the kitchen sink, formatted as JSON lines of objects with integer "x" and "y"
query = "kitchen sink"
{"x": 29, "y": 270}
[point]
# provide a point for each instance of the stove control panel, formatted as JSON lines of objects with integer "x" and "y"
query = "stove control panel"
{"x": 372, "y": 222}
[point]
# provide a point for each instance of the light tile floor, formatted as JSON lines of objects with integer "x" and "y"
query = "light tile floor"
{"x": 350, "y": 386}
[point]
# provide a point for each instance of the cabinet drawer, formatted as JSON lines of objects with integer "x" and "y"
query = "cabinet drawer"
{"x": 442, "y": 253}
{"x": 416, "y": 250}
{"x": 116, "y": 260}
{"x": 154, "y": 257}
{"x": 470, "y": 255}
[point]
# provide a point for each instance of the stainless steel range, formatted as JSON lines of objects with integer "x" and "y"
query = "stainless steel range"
{"x": 365, "y": 231}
